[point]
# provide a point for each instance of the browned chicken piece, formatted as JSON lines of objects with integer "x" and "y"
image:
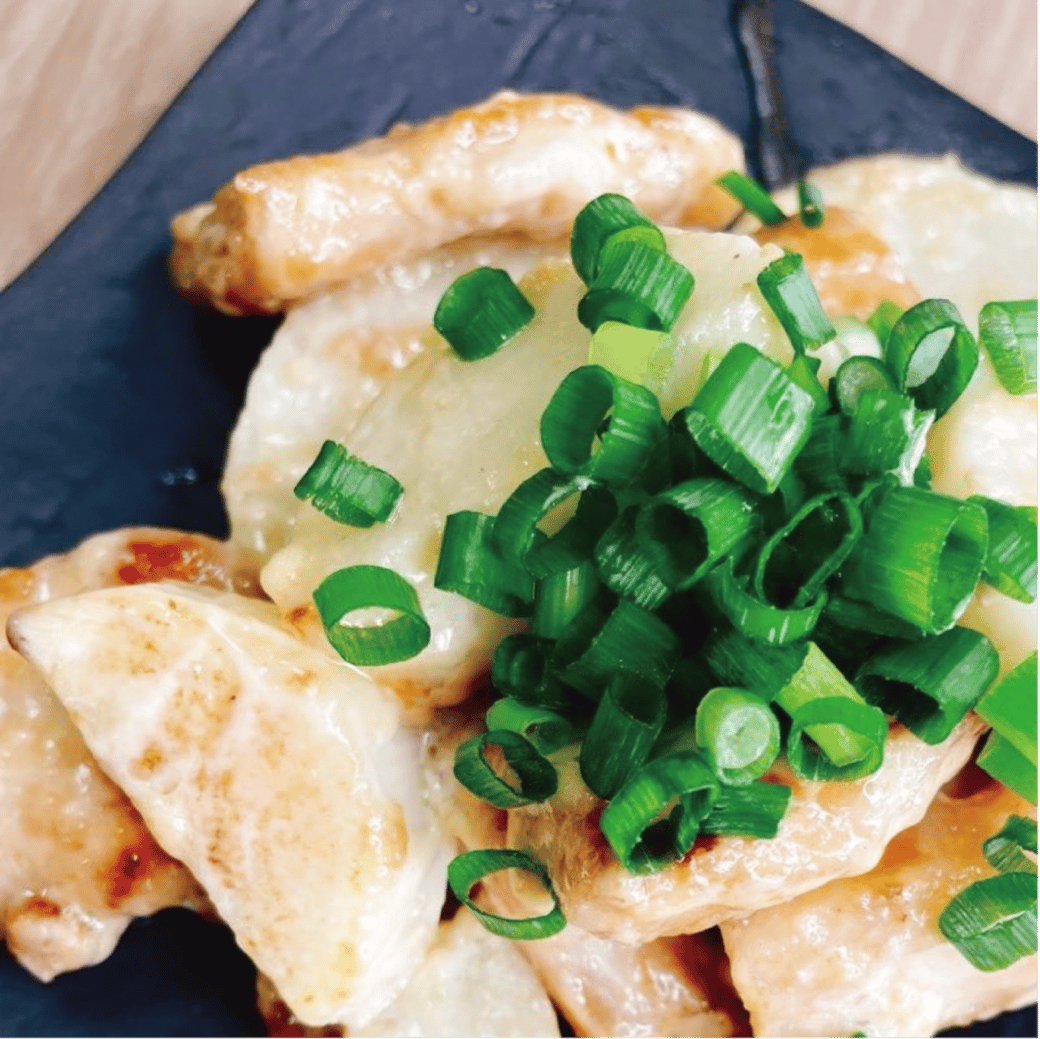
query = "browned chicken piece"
{"x": 831, "y": 830}
{"x": 865, "y": 955}
{"x": 514, "y": 163}
{"x": 76, "y": 861}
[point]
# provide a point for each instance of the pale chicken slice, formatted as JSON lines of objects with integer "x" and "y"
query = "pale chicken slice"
{"x": 280, "y": 778}
{"x": 329, "y": 360}
{"x": 865, "y": 955}
{"x": 76, "y": 861}
{"x": 514, "y": 163}
{"x": 460, "y": 435}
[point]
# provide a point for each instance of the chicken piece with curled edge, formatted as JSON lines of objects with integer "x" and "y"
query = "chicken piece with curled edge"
{"x": 866, "y": 955}
{"x": 77, "y": 862}
{"x": 279, "y": 777}
{"x": 285, "y": 230}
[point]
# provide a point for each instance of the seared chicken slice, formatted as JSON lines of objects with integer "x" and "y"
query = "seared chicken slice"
{"x": 865, "y": 955}
{"x": 514, "y": 163}
{"x": 331, "y": 357}
{"x": 76, "y": 861}
{"x": 279, "y": 777}
{"x": 461, "y": 435}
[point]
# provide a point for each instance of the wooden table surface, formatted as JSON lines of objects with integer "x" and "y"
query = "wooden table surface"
{"x": 81, "y": 81}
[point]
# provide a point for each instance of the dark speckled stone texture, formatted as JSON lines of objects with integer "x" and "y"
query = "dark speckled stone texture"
{"x": 116, "y": 399}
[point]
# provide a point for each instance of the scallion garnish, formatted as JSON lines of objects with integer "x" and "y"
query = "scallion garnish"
{"x": 347, "y": 489}
{"x": 625, "y": 568}
{"x": 755, "y": 810}
{"x": 1007, "y": 331}
{"x": 810, "y": 204}
{"x": 1005, "y": 850}
{"x": 857, "y": 375}
{"x": 559, "y": 597}
{"x": 881, "y": 322}
{"x": 1007, "y": 764}
{"x": 636, "y": 354}
{"x": 545, "y": 730}
{"x": 364, "y": 588}
{"x": 886, "y": 434}
{"x": 598, "y": 221}
{"x": 821, "y": 463}
{"x": 738, "y": 735}
{"x": 520, "y": 668}
{"x": 1010, "y": 707}
{"x": 752, "y": 196}
{"x": 480, "y": 311}
{"x": 465, "y": 871}
{"x": 803, "y": 372}
{"x": 504, "y": 769}
{"x": 787, "y": 288}
{"x": 1011, "y": 559}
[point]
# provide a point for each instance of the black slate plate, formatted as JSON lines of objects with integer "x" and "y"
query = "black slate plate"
{"x": 116, "y": 399}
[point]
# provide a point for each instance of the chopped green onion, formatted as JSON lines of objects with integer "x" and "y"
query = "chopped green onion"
{"x": 932, "y": 366}
{"x": 520, "y": 668}
{"x": 752, "y": 665}
{"x": 862, "y": 617}
{"x": 750, "y": 418}
{"x": 575, "y": 417}
{"x": 857, "y": 375}
{"x": 802, "y": 371}
{"x": 597, "y": 221}
{"x": 887, "y": 434}
{"x": 1005, "y": 763}
{"x": 821, "y": 463}
{"x": 920, "y": 558}
{"x": 675, "y": 791}
{"x": 993, "y": 922}
{"x": 748, "y": 811}
{"x": 687, "y": 686}
{"x": 633, "y": 273}
{"x": 1011, "y": 560}
{"x": 636, "y": 354}
{"x": 362, "y": 588}
{"x": 347, "y": 489}
{"x": 1007, "y": 331}
{"x": 535, "y": 779}
{"x": 589, "y": 655}
{"x": 628, "y": 720}
{"x": 1010, "y": 707}
{"x": 687, "y": 529}
{"x": 787, "y": 288}
{"x": 469, "y": 565}
{"x": 559, "y": 597}
{"x": 752, "y": 196}
{"x": 600, "y": 306}
{"x": 465, "y": 871}
{"x": 738, "y": 735}
{"x": 625, "y": 568}
{"x": 810, "y": 204}
{"x": 932, "y": 684}
{"x": 1004, "y": 850}
{"x": 883, "y": 320}
{"x": 480, "y": 311}
{"x": 545, "y": 730}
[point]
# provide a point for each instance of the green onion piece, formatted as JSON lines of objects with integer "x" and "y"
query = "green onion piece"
{"x": 531, "y": 778}
{"x": 1007, "y": 331}
{"x": 1010, "y": 707}
{"x": 1011, "y": 561}
{"x": 802, "y": 372}
{"x": 687, "y": 686}
{"x": 636, "y": 354}
{"x": 784, "y": 502}
{"x": 752, "y": 196}
{"x": 1004, "y": 850}
{"x": 762, "y": 669}
{"x": 520, "y": 669}
{"x": 810, "y": 760}
{"x": 738, "y": 735}
{"x": 756, "y": 619}
{"x": 799, "y": 558}
{"x": 465, "y": 871}
{"x": 630, "y": 639}
{"x": 480, "y": 311}
{"x": 932, "y": 684}
{"x": 559, "y": 597}
{"x": 821, "y": 463}
{"x": 469, "y": 565}
{"x": 363, "y": 588}
{"x": 923, "y": 474}
{"x": 656, "y": 815}
{"x": 861, "y": 617}
{"x": 750, "y": 418}
{"x": 687, "y": 529}
{"x": 932, "y": 354}
{"x": 598, "y": 220}
{"x": 628, "y": 720}
{"x": 787, "y": 288}
{"x": 993, "y": 922}
{"x": 625, "y": 568}
{"x": 1005, "y": 763}
{"x": 575, "y": 417}
{"x": 849, "y": 742}
{"x": 887, "y": 434}
{"x": 810, "y": 204}
{"x": 857, "y": 375}
{"x": 598, "y": 306}
{"x": 637, "y": 274}
{"x": 748, "y": 811}
{"x": 545, "y": 730}
{"x": 347, "y": 489}
{"x": 883, "y": 320}
{"x": 920, "y": 558}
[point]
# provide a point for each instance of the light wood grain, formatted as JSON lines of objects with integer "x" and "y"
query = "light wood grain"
{"x": 81, "y": 81}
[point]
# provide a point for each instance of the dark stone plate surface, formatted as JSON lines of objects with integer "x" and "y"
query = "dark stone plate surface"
{"x": 116, "y": 399}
